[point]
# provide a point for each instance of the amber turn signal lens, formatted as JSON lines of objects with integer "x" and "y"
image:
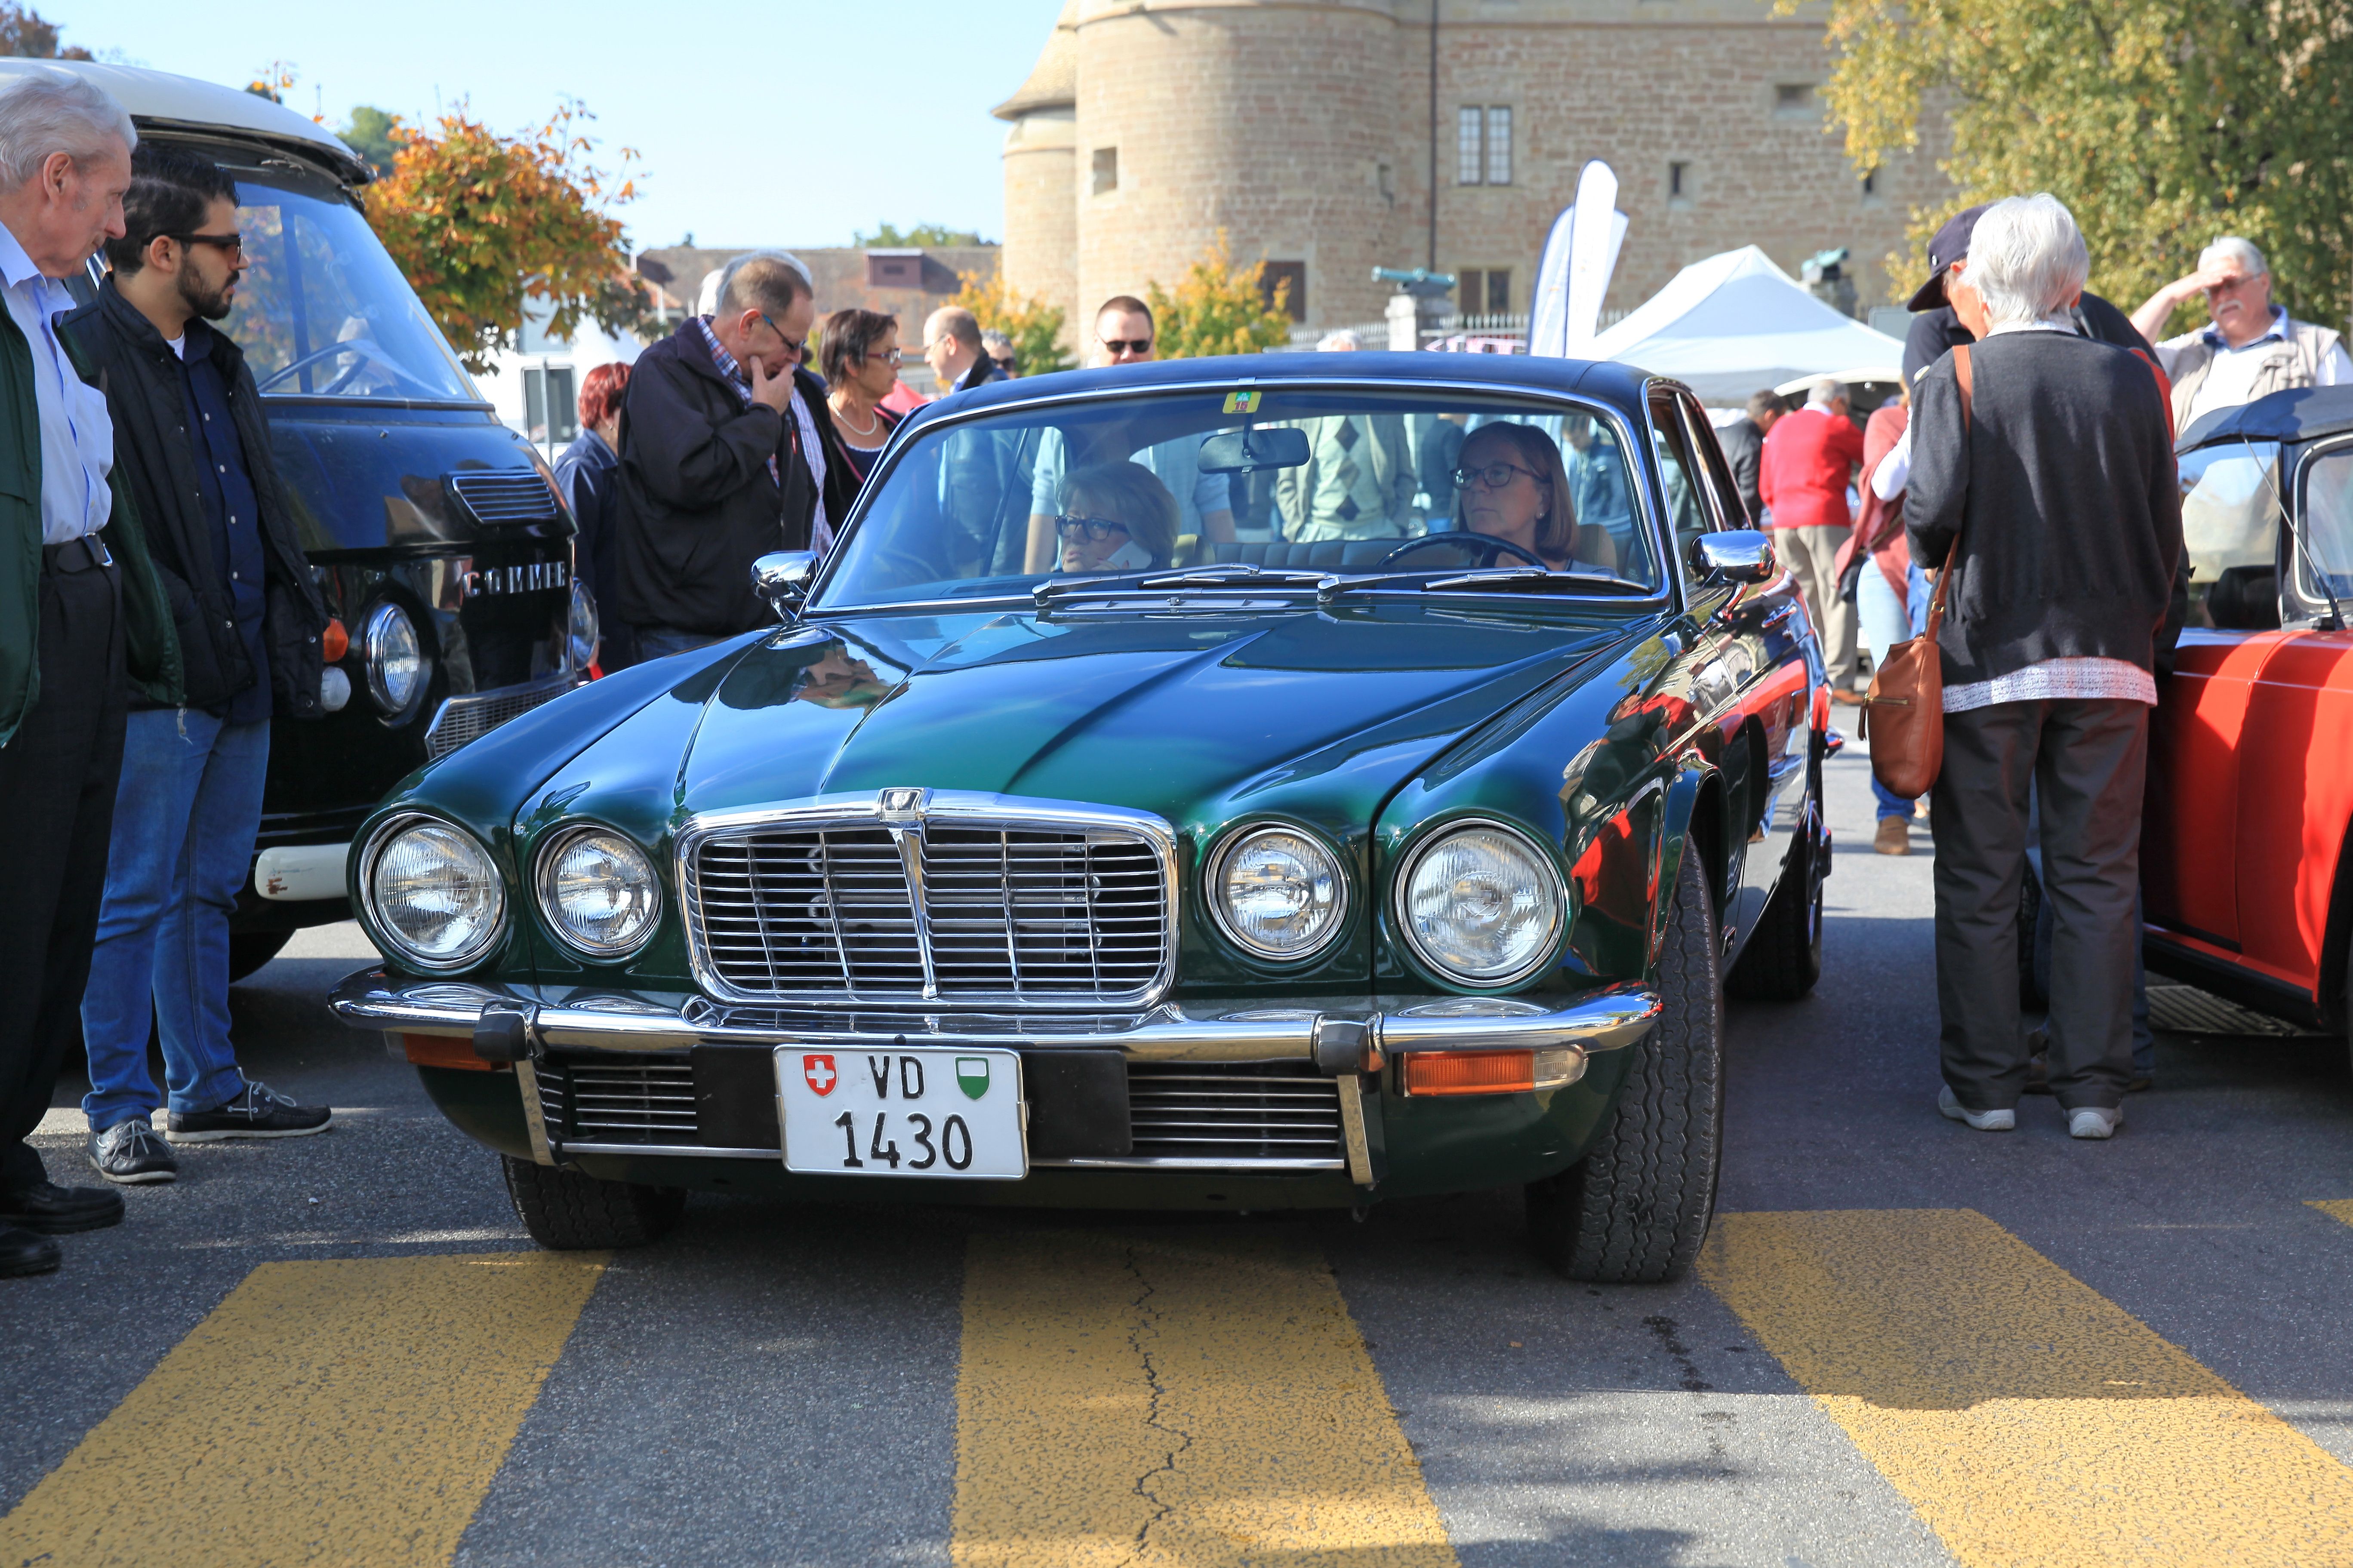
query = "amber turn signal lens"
{"x": 337, "y": 643}
{"x": 445, "y": 1051}
{"x": 1489, "y": 1072}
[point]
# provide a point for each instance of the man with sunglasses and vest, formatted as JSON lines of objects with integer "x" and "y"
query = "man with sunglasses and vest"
{"x": 192, "y": 445}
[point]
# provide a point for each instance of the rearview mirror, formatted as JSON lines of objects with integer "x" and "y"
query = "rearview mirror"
{"x": 1249, "y": 450}
{"x": 781, "y": 578}
{"x": 1736, "y": 555}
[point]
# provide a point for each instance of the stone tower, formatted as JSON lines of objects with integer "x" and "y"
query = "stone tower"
{"x": 1330, "y": 136}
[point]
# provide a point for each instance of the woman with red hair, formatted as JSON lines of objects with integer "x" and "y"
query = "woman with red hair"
{"x": 588, "y": 473}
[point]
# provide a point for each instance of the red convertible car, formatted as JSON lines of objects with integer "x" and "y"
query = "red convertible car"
{"x": 2249, "y": 892}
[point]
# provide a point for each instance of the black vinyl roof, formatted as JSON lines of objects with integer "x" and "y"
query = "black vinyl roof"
{"x": 2299, "y": 413}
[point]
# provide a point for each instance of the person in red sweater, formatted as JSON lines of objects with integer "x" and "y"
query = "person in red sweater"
{"x": 1810, "y": 458}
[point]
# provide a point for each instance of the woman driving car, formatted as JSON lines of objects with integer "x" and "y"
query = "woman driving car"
{"x": 1511, "y": 484}
{"x": 1115, "y": 517}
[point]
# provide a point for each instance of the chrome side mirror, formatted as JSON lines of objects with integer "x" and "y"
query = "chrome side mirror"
{"x": 781, "y": 578}
{"x": 1737, "y": 555}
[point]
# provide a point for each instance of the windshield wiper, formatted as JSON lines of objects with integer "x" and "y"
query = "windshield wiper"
{"x": 1223, "y": 575}
{"x": 1507, "y": 580}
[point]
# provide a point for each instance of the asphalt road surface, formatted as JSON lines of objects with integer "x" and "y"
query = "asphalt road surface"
{"x": 1909, "y": 1343}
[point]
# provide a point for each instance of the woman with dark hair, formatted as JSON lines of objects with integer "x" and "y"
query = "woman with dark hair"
{"x": 1511, "y": 484}
{"x": 1115, "y": 517}
{"x": 860, "y": 360}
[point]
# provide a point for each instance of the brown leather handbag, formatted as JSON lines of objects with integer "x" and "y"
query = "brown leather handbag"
{"x": 1904, "y": 714}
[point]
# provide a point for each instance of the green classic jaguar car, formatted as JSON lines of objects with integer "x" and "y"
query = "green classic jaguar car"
{"x": 1226, "y": 783}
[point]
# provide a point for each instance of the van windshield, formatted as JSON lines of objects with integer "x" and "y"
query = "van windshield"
{"x": 324, "y": 311}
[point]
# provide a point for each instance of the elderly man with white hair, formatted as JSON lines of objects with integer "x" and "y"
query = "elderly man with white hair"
{"x": 2043, "y": 489}
{"x": 2250, "y": 347}
{"x": 66, "y": 611}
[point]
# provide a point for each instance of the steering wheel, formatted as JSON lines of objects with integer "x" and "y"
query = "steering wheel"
{"x": 1489, "y": 549}
{"x": 364, "y": 355}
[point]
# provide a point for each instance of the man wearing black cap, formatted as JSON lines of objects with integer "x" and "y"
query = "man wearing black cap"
{"x": 1935, "y": 328}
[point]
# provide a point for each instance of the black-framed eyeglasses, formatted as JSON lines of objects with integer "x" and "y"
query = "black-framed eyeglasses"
{"x": 1002, "y": 361}
{"x": 1128, "y": 345}
{"x": 234, "y": 244}
{"x": 796, "y": 347}
{"x": 1494, "y": 476}
{"x": 1096, "y": 529}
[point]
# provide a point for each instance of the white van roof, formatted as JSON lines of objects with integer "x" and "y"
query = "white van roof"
{"x": 161, "y": 100}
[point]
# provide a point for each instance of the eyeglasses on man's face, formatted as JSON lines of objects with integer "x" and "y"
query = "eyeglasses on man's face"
{"x": 1128, "y": 345}
{"x": 1494, "y": 476}
{"x": 796, "y": 347}
{"x": 230, "y": 244}
{"x": 1093, "y": 529}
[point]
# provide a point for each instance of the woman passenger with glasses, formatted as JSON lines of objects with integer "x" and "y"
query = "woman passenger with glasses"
{"x": 860, "y": 358}
{"x": 1512, "y": 485}
{"x": 1115, "y": 517}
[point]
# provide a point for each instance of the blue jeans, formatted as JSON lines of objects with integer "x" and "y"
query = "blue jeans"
{"x": 1885, "y": 622}
{"x": 184, "y": 817}
{"x": 661, "y": 642}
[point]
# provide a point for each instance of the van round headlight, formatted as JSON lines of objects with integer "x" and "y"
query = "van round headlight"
{"x": 395, "y": 661}
{"x": 1481, "y": 905}
{"x": 580, "y": 626}
{"x": 435, "y": 894}
{"x": 599, "y": 893}
{"x": 1278, "y": 892}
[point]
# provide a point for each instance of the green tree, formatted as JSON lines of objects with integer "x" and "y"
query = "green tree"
{"x": 1219, "y": 306}
{"x": 25, "y": 35}
{"x": 922, "y": 237}
{"x": 480, "y": 221}
{"x": 370, "y": 135}
{"x": 2161, "y": 124}
{"x": 1035, "y": 327}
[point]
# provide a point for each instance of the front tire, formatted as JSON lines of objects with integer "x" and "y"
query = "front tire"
{"x": 1784, "y": 955}
{"x": 1636, "y": 1208}
{"x": 565, "y": 1211}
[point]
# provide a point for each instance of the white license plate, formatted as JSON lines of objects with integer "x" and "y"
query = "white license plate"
{"x": 904, "y": 1113}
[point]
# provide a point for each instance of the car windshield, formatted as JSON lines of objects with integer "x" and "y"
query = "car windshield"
{"x": 322, "y": 311}
{"x": 1349, "y": 481}
{"x": 2328, "y": 525}
{"x": 2230, "y": 528}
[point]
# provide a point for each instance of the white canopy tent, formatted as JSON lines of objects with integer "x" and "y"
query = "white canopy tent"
{"x": 1735, "y": 323}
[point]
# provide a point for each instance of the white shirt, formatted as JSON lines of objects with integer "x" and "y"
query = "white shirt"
{"x": 77, "y": 434}
{"x": 2231, "y": 379}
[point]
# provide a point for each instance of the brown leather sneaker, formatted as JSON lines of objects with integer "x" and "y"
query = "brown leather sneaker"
{"x": 1893, "y": 837}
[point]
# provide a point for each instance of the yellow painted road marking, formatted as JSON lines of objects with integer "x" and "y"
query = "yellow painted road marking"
{"x": 2028, "y": 1419}
{"x": 326, "y": 1412}
{"x": 2335, "y": 1208}
{"x": 1196, "y": 1398}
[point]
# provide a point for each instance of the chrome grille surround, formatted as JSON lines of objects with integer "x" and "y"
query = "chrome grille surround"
{"x": 925, "y": 898}
{"x": 645, "y": 1100}
{"x": 1229, "y": 1114}
{"x": 505, "y": 497}
{"x": 475, "y": 714}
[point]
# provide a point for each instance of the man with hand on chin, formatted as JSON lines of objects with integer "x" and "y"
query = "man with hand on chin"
{"x": 2250, "y": 348}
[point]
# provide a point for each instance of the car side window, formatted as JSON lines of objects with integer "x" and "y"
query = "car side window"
{"x": 1731, "y": 511}
{"x": 1687, "y": 512}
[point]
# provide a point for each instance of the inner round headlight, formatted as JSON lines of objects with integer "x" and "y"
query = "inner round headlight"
{"x": 1279, "y": 893}
{"x": 436, "y": 895}
{"x": 581, "y": 627}
{"x": 395, "y": 661}
{"x": 599, "y": 893}
{"x": 1481, "y": 905}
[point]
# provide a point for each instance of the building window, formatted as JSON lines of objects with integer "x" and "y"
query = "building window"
{"x": 1484, "y": 291}
{"x": 1106, "y": 169}
{"x": 1499, "y": 291}
{"x": 1793, "y": 97}
{"x": 550, "y": 412}
{"x": 1870, "y": 184}
{"x": 1273, "y": 277}
{"x": 1678, "y": 181}
{"x": 1483, "y": 145}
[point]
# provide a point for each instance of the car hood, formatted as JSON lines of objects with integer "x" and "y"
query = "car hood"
{"x": 1170, "y": 714}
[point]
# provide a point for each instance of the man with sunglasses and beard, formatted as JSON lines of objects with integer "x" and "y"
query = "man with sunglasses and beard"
{"x": 193, "y": 445}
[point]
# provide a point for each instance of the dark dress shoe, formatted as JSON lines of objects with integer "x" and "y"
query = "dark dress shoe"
{"x": 22, "y": 1252}
{"x": 53, "y": 1210}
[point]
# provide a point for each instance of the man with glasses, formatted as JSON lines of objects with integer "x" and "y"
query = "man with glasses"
{"x": 192, "y": 445}
{"x": 723, "y": 460}
{"x": 2249, "y": 348}
{"x": 1124, "y": 336}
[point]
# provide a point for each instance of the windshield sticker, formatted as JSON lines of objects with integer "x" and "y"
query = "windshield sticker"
{"x": 1242, "y": 402}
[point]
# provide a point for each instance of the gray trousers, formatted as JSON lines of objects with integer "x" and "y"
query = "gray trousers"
{"x": 2086, "y": 759}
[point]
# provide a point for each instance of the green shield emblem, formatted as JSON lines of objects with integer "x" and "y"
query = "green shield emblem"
{"x": 972, "y": 1076}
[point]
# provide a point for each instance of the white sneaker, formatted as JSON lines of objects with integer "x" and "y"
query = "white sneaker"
{"x": 1983, "y": 1121}
{"x": 2095, "y": 1121}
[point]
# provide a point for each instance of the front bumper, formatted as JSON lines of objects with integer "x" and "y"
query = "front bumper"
{"x": 1356, "y": 1041}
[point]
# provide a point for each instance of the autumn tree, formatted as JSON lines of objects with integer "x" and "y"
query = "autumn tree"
{"x": 1219, "y": 306}
{"x": 2161, "y": 124}
{"x": 370, "y": 135}
{"x": 481, "y": 222}
{"x": 25, "y": 35}
{"x": 1035, "y": 327}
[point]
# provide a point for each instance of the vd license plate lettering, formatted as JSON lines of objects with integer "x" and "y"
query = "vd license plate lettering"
{"x": 921, "y": 1112}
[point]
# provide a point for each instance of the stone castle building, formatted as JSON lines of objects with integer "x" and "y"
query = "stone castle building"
{"x": 1333, "y": 136}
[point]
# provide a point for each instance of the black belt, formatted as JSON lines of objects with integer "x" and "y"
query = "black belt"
{"x": 87, "y": 553}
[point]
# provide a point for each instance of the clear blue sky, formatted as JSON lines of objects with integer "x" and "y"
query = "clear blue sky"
{"x": 799, "y": 123}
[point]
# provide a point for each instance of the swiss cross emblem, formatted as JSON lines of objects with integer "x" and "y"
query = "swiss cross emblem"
{"x": 819, "y": 1074}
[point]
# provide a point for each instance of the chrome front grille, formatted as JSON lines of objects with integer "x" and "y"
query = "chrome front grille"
{"x": 620, "y": 1100}
{"x": 934, "y": 908}
{"x": 1234, "y": 1111}
{"x": 470, "y": 718}
{"x": 505, "y": 497}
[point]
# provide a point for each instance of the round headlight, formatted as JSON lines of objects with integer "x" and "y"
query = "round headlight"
{"x": 581, "y": 628}
{"x": 436, "y": 895}
{"x": 1481, "y": 905}
{"x": 395, "y": 662}
{"x": 1279, "y": 893}
{"x": 599, "y": 893}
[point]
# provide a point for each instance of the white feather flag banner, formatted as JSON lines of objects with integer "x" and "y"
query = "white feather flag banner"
{"x": 1580, "y": 256}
